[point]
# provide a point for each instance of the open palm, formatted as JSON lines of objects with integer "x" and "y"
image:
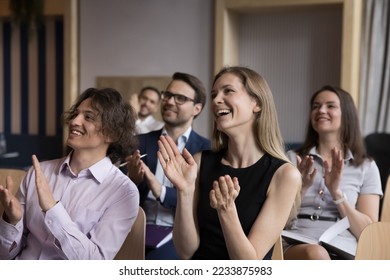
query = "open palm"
{"x": 181, "y": 169}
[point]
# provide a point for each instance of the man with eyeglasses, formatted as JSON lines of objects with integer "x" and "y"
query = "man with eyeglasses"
{"x": 181, "y": 102}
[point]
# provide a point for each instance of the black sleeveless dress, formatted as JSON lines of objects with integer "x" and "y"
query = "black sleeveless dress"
{"x": 254, "y": 181}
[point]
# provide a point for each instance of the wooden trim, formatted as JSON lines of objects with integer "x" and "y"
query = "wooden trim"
{"x": 219, "y": 34}
{"x": 250, "y": 6}
{"x": 350, "y": 54}
{"x": 227, "y": 15}
{"x": 71, "y": 57}
{"x": 71, "y": 86}
{"x": 226, "y": 37}
{"x": 51, "y": 8}
{"x": 4, "y": 8}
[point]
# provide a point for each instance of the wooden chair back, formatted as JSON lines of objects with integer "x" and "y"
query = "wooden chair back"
{"x": 374, "y": 242}
{"x": 277, "y": 253}
{"x": 17, "y": 176}
{"x": 134, "y": 246}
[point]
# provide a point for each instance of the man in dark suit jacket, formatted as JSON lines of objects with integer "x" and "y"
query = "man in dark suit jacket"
{"x": 182, "y": 101}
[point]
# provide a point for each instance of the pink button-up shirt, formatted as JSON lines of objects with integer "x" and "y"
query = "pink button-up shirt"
{"x": 94, "y": 213}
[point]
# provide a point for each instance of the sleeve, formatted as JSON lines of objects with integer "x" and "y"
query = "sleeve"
{"x": 10, "y": 239}
{"x": 170, "y": 198}
{"x": 372, "y": 180}
{"x": 207, "y": 145}
{"x": 105, "y": 238}
{"x": 292, "y": 156}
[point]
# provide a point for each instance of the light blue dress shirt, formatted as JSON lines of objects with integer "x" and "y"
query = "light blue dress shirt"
{"x": 155, "y": 212}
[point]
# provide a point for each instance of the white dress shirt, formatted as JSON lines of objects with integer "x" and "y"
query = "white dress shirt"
{"x": 148, "y": 124}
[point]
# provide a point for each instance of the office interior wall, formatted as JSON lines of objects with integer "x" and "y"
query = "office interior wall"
{"x": 297, "y": 51}
{"x": 147, "y": 38}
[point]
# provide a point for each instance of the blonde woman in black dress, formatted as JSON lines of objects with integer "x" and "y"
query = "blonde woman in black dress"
{"x": 233, "y": 202}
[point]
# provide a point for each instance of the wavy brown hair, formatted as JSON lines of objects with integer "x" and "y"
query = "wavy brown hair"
{"x": 117, "y": 119}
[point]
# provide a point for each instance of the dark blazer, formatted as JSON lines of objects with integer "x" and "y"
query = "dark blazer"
{"x": 148, "y": 145}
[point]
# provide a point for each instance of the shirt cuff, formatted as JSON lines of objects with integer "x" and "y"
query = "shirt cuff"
{"x": 8, "y": 229}
{"x": 163, "y": 193}
{"x": 56, "y": 218}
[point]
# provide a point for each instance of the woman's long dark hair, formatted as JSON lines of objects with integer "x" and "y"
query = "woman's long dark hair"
{"x": 350, "y": 135}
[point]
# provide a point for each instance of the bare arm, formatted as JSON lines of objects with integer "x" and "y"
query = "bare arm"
{"x": 365, "y": 213}
{"x": 182, "y": 172}
{"x": 270, "y": 222}
{"x": 185, "y": 230}
{"x": 367, "y": 206}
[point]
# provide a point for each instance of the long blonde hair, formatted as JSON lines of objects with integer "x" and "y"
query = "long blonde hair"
{"x": 266, "y": 126}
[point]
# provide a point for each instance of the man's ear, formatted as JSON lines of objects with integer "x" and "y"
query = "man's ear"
{"x": 108, "y": 139}
{"x": 197, "y": 109}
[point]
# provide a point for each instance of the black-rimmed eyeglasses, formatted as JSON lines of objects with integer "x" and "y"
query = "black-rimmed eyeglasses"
{"x": 179, "y": 99}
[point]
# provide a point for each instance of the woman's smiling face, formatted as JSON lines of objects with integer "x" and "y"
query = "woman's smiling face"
{"x": 231, "y": 104}
{"x": 326, "y": 112}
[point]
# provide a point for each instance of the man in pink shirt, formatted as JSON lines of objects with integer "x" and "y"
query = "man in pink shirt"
{"x": 80, "y": 206}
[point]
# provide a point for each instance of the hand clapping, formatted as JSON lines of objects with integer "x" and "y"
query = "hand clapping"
{"x": 11, "y": 205}
{"x": 135, "y": 169}
{"x": 45, "y": 196}
{"x": 224, "y": 193}
{"x": 181, "y": 169}
{"x": 333, "y": 171}
{"x": 308, "y": 172}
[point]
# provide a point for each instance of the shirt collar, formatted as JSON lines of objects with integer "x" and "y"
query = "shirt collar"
{"x": 348, "y": 156}
{"x": 65, "y": 163}
{"x": 185, "y": 136}
{"x": 98, "y": 170}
